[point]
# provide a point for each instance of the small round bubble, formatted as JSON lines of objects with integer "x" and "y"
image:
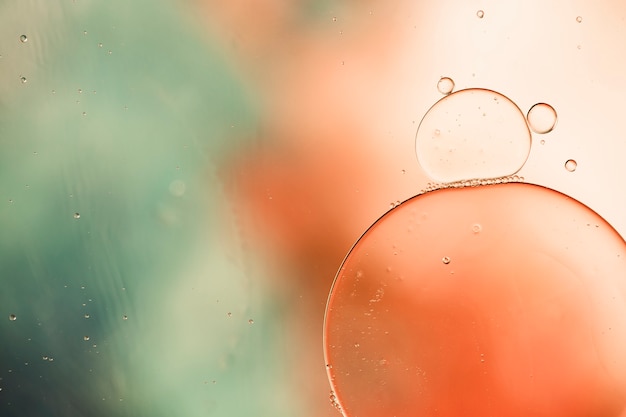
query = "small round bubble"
{"x": 77, "y": 215}
{"x": 23, "y": 38}
{"x": 571, "y": 165}
{"x": 445, "y": 85}
{"x": 541, "y": 118}
{"x": 12, "y": 317}
{"x": 480, "y": 14}
{"x": 23, "y": 80}
{"x": 445, "y": 260}
{"x": 579, "y": 19}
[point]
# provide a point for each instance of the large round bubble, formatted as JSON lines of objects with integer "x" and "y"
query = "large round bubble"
{"x": 505, "y": 300}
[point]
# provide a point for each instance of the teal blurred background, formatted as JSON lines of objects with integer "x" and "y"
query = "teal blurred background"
{"x": 121, "y": 257}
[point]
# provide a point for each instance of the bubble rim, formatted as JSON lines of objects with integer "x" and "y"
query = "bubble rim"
{"x": 447, "y": 97}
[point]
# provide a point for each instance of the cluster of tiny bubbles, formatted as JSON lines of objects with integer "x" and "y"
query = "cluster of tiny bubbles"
{"x": 471, "y": 183}
{"x": 541, "y": 118}
{"x": 333, "y": 400}
{"x": 445, "y": 85}
{"x": 23, "y": 38}
{"x": 394, "y": 204}
{"x": 571, "y": 165}
{"x": 12, "y": 317}
{"x": 480, "y": 14}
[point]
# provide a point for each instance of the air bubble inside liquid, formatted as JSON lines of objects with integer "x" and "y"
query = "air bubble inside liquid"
{"x": 571, "y": 165}
{"x": 542, "y": 118}
{"x": 527, "y": 323}
{"x": 481, "y": 134}
{"x": 445, "y": 85}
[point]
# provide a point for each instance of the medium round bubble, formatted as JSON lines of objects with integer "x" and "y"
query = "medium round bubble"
{"x": 571, "y": 165}
{"x": 445, "y": 85}
{"x": 542, "y": 118}
{"x": 472, "y": 134}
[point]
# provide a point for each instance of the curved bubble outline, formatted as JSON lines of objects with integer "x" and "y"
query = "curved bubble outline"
{"x": 432, "y": 188}
{"x": 447, "y": 96}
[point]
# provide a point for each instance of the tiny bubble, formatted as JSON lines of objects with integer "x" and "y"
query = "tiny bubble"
{"x": 250, "y": 321}
{"x": 579, "y": 19}
{"x": 124, "y": 317}
{"x": 100, "y": 45}
{"x": 12, "y": 317}
{"x": 23, "y": 38}
{"x": 229, "y": 314}
{"x": 445, "y": 260}
{"x": 445, "y": 85}
{"x": 24, "y": 80}
{"x": 87, "y": 316}
{"x": 77, "y": 216}
{"x": 480, "y": 14}
{"x": 85, "y": 338}
{"x": 571, "y": 165}
{"x": 477, "y": 228}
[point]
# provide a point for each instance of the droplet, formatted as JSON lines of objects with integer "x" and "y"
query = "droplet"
{"x": 77, "y": 215}
{"x": 480, "y": 14}
{"x": 571, "y": 165}
{"x": 12, "y": 317}
{"x": 470, "y": 145}
{"x": 579, "y": 19}
{"x": 23, "y": 80}
{"x": 23, "y": 38}
{"x": 445, "y": 85}
{"x": 445, "y": 260}
{"x": 85, "y": 338}
{"x": 541, "y": 118}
